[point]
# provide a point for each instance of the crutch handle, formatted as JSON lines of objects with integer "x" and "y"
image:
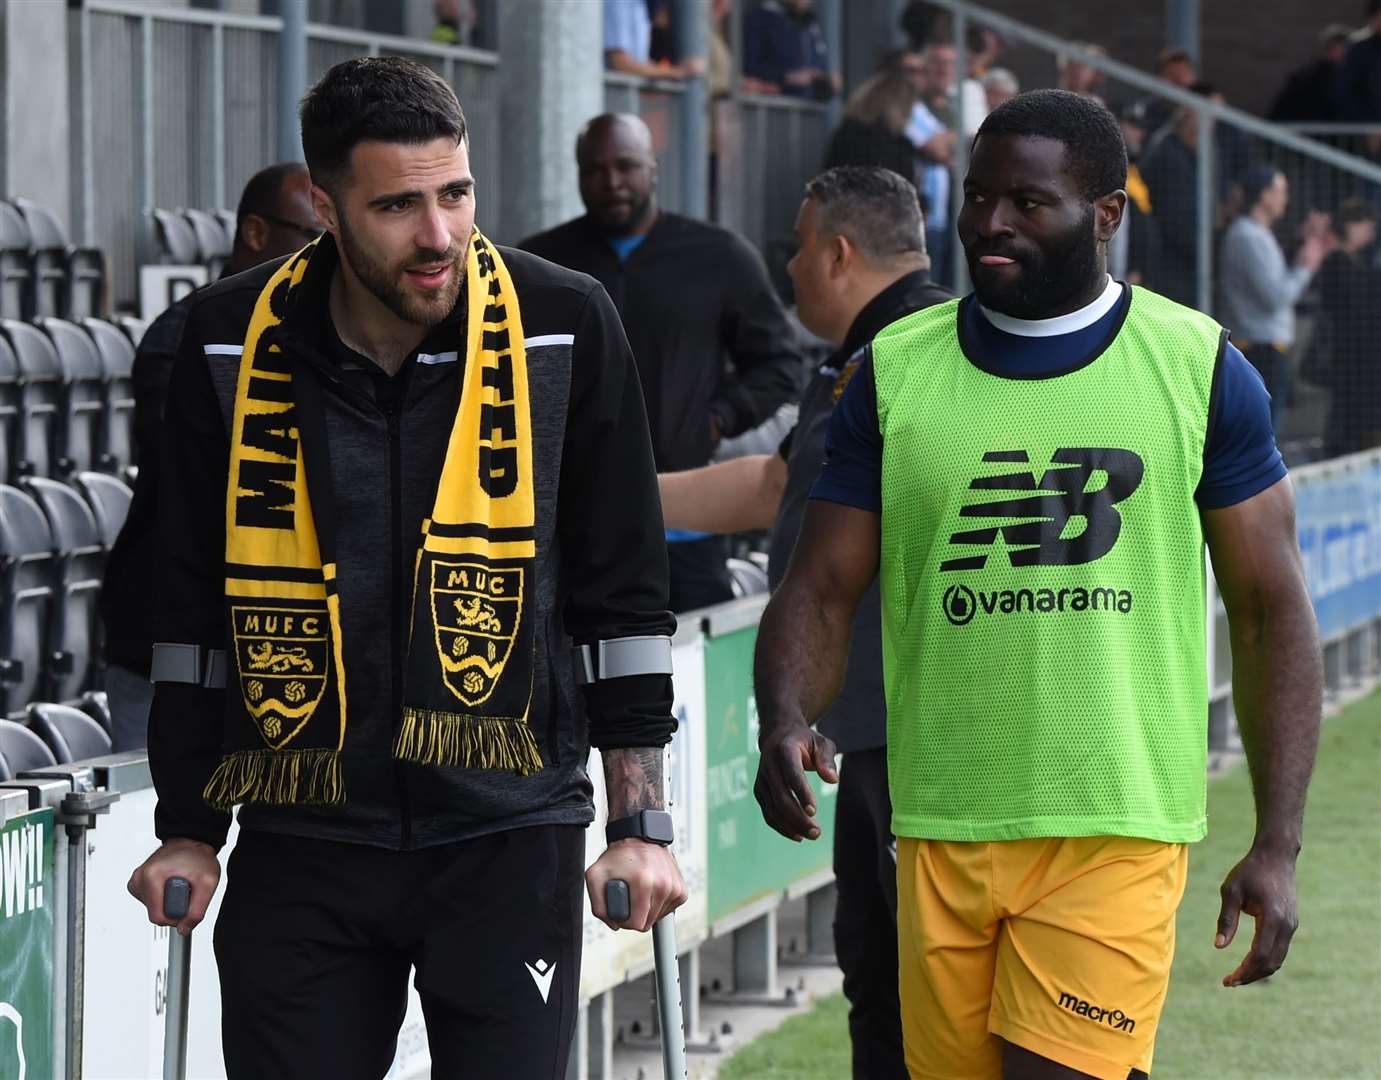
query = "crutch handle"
{"x": 177, "y": 899}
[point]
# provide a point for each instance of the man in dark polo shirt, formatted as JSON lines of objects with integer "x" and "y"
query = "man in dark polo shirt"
{"x": 860, "y": 266}
{"x": 715, "y": 352}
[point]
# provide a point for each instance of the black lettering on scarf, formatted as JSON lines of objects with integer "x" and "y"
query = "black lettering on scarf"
{"x": 274, "y": 433}
{"x": 268, "y": 503}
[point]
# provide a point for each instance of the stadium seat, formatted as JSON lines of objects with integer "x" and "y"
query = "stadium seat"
{"x": 96, "y": 705}
{"x": 16, "y": 264}
{"x": 177, "y": 243}
{"x": 40, "y": 396}
{"x": 22, "y": 750}
{"x": 228, "y": 225}
{"x": 109, "y": 498}
{"x": 9, "y": 411}
{"x": 132, "y": 328}
{"x": 81, "y": 432}
{"x": 86, "y": 283}
{"x": 75, "y": 624}
{"x": 117, "y": 362}
{"x": 68, "y": 732}
{"x": 745, "y": 578}
{"x": 51, "y": 252}
{"x": 211, "y": 240}
{"x": 26, "y": 597}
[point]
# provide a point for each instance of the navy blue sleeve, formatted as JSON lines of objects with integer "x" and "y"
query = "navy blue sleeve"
{"x": 1240, "y": 454}
{"x": 852, "y": 474}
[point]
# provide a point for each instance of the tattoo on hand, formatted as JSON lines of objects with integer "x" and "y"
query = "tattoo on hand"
{"x": 633, "y": 778}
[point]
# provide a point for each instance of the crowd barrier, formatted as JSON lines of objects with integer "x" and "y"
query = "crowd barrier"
{"x": 82, "y": 973}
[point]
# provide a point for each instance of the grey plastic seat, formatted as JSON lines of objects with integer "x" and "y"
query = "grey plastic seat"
{"x": 16, "y": 264}
{"x": 211, "y": 240}
{"x": 117, "y": 364}
{"x": 746, "y": 578}
{"x": 51, "y": 256}
{"x": 22, "y": 750}
{"x": 133, "y": 328}
{"x": 74, "y": 627}
{"x": 177, "y": 242}
{"x": 96, "y": 704}
{"x": 9, "y": 412}
{"x": 82, "y": 427}
{"x": 40, "y": 398}
{"x": 26, "y": 597}
{"x": 68, "y": 732}
{"x": 109, "y": 498}
{"x": 229, "y": 224}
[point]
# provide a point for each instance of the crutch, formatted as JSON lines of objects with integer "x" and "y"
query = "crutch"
{"x": 177, "y": 898}
{"x": 616, "y": 900}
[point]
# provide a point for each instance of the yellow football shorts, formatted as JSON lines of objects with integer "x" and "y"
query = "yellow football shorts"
{"x": 1061, "y": 946}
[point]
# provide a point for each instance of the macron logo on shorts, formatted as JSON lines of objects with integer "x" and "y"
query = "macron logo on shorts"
{"x": 541, "y": 975}
{"x": 1114, "y": 1018}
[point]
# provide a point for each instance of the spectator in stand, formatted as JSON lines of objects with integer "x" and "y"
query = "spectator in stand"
{"x": 455, "y": 22}
{"x": 628, "y": 44}
{"x": 661, "y": 48}
{"x": 983, "y": 46}
{"x": 694, "y": 299}
{"x": 1170, "y": 169}
{"x": 1359, "y": 75}
{"x": 1134, "y": 246}
{"x": 873, "y": 131}
{"x": 931, "y": 131}
{"x": 1310, "y": 92}
{"x": 785, "y": 52}
{"x": 1080, "y": 78}
{"x": 1346, "y": 339}
{"x": 1259, "y": 288}
{"x": 274, "y": 219}
{"x": 1176, "y": 67}
{"x": 1000, "y": 85}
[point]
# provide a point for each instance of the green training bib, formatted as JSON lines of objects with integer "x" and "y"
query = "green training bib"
{"x": 1042, "y": 574}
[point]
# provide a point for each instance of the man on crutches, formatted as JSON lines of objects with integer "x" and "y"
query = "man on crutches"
{"x": 413, "y": 568}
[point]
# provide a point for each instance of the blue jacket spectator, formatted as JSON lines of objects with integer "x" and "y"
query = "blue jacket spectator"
{"x": 785, "y": 51}
{"x": 628, "y": 44}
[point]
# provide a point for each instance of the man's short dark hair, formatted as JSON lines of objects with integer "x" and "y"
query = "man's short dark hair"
{"x": 263, "y": 194}
{"x": 877, "y": 209}
{"x": 1094, "y": 149}
{"x": 1172, "y": 55}
{"x": 374, "y": 98}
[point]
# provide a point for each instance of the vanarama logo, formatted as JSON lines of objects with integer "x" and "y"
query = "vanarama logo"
{"x": 1114, "y": 1018}
{"x": 1066, "y": 517}
{"x": 961, "y": 603}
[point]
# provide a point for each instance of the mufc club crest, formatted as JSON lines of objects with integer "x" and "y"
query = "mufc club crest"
{"x": 282, "y": 653}
{"x": 475, "y": 609}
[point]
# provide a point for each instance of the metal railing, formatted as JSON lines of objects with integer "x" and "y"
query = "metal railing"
{"x": 1191, "y": 156}
{"x": 176, "y": 107}
{"x": 766, "y": 149}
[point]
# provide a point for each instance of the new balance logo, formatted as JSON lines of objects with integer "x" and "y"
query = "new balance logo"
{"x": 1068, "y": 518}
{"x": 1114, "y": 1018}
{"x": 541, "y": 974}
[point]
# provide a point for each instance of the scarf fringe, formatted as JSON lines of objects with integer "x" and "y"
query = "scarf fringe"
{"x": 433, "y": 737}
{"x": 276, "y": 777}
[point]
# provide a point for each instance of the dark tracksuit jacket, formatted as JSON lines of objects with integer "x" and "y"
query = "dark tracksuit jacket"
{"x": 600, "y": 572}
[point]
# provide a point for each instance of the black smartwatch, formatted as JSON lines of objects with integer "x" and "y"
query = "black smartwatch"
{"x": 654, "y": 826}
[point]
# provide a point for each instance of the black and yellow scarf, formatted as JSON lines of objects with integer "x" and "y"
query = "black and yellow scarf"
{"x": 469, "y": 673}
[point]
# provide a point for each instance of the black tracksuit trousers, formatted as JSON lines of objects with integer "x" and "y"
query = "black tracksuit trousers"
{"x": 316, "y": 938}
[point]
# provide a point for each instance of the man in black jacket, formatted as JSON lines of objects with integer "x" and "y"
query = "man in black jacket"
{"x": 388, "y": 523}
{"x": 274, "y": 219}
{"x": 695, "y": 299}
{"x": 861, "y": 265}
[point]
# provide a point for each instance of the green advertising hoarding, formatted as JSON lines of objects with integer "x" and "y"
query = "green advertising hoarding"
{"x": 26, "y": 946}
{"x": 747, "y": 859}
